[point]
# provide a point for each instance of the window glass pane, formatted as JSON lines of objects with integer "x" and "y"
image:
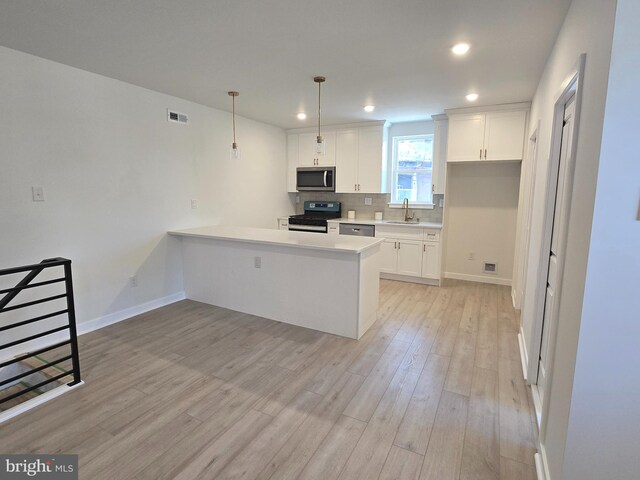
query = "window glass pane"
{"x": 412, "y": 168}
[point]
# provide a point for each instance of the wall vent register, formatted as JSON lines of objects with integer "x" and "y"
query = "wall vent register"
{"x": 177, "y": 117}
{"x": 488, "y": 267}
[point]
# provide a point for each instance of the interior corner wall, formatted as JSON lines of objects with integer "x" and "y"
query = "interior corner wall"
{"x": 587, "y": 28}
{"x": 480, "y": 217}
{"x": 117, "y": 176}
{"x": 603, "y": 434}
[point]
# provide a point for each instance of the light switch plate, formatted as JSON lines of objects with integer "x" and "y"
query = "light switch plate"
{"x": 194, "y": 204}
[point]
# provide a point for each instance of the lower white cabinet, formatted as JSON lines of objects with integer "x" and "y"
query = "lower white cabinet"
{"x": 410, "y": 252}
{"x": 431, "y": 260}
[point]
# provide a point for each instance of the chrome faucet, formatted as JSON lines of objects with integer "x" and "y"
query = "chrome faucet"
{"x": 405, "y": 206}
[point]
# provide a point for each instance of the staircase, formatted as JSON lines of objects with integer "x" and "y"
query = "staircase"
{"x": 48, "y": 337}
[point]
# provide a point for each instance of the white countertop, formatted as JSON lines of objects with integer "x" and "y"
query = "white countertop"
{"x": 314, "y": 241}
{"x": 387, "y": 223}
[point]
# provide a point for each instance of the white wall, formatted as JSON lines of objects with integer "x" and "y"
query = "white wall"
{"x": 587, "y": 28}
{"x": 480, "y": 218}
{"x": 116, "y": 176}
{"x": 604, "y": 422}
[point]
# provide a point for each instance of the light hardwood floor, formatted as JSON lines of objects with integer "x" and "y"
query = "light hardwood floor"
{"x": 433, "y": 391}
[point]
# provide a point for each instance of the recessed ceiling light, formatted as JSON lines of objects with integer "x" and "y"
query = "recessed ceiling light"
{"x": 472, "y": 97}
{"x": 302, "y": 116}
{"x": 460, "y": 48}
{"x": 369, "y": 108}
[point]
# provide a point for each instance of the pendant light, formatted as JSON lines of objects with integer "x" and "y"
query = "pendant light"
{"x": 319, "y": 147}
{"x": 234, "y": 153}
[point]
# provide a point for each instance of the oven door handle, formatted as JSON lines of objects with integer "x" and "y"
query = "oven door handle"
{"x": 325, "y": 178}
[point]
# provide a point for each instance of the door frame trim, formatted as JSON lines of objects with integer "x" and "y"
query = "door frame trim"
{"x": 566, "y": 91}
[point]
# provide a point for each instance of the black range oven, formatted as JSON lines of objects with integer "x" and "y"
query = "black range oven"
{"x": 315, "y": 216}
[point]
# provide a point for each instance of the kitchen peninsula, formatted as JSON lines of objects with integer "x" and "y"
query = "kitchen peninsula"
{"x": 324, "y": 282}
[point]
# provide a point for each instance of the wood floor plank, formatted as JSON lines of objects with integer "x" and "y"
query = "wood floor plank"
{"x": 444, "y": 454}
{"x": 367, "y": 459}
{"x": 329, "y": 459}
{"x": 516, "y": 434}
{"x": 415, "y": 429}
{"x": 512, "y": 470}
{"x": 401, "y": 464}
{"x": 481, "y": 454}
{"x": 451, "y": 320}
{"x": 214, "y": 457}
{"x": 460, "y": 372}
{"x": 296, "y": 452}
{"x": 487, "y": 343}
{"x": 251, "y": 460}
{"x": 366, "y": 400}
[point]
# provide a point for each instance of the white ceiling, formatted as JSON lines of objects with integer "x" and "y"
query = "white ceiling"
{"x": 394, "y": 53}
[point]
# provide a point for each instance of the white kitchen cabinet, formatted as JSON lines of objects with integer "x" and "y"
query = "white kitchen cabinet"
{"x": 389, "y": 256}
{"x": 431, "y": 260}
{"x": 347, "y": 161}
{"x": 440, "y": 153}
{"x": 466, "y": 138}
{"x": 361, "y": 160}
{"x": 307, "y": 156}
{"x": 371, "y": 159}
{"x": 504, "y": 135}
{"x": 292, "y": 161}
{"x": 490, "y": 136}
{"x": 409, "y": 258}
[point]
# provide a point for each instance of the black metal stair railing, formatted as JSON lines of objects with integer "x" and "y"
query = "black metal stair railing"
{"x": 26, "y": 283}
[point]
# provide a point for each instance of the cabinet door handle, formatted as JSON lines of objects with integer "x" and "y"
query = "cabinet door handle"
{"x": 485, "y": 153}
{"x": 395, "y": 245}
{"x": 355, "y": 187}
{"x": 399, "y": 245}
{"x": 424, "y": 248}
{"x": 480, "y": 154}
{"x": 358, "y": 187}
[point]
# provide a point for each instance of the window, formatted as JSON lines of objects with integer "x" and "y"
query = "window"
{"x": 412, "y": 170}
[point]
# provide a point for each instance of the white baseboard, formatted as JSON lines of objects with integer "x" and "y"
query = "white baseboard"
{"x": 542, "y": 466}
{"x": 524, "y": 359}
{"x": 36, "y": 401}
{"x": 110, "y": 319}
{"x": 409, "y": 279}
{"x": 478, "y": 278}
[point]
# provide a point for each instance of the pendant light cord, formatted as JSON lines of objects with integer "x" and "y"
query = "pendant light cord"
{"x": 318, "y": 109}
{"x": 233, "y": 116}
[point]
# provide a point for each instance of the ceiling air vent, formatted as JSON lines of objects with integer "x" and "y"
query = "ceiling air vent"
{"x": 177, "y": 117}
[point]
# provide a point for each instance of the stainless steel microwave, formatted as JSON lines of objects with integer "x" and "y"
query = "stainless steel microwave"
{"x": 316, "y": 179}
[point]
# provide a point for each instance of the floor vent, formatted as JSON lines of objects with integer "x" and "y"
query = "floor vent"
{"x": 177, "y": 117}
{"x": 488, "y": 267}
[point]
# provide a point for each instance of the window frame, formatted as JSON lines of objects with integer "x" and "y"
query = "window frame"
{"x": 394, "y": 203}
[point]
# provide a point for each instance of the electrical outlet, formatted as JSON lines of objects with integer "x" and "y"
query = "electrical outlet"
{"x": 133, "y": 281}
{"x": 471, "y": 256}
{"x": 367, "y": 200}
{"x": 194, "y": 204}
{"x": 297, "y": 198}
{"x": 37, "y": 194}
{"x": 441, "y": 203}
{"x": 257, "y": 262}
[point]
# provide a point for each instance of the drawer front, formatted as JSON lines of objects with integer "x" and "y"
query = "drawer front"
{"x": 408, "y": 233}
{"x": 431, "y": 235}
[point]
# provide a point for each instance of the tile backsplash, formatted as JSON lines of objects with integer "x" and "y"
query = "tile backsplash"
{"x": 379, "y": 203}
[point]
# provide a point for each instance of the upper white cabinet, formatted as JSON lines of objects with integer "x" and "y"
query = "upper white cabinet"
{"x": 486, "y": 136}
{"x": 307, "y": 156}
{"x": 357, "y": 151}
{"x": 370, "y": 161}
{"x": 440, "y": 133}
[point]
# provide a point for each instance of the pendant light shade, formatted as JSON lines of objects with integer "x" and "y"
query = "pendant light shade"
{"x": 319, "y": 146}
{"x": 234, "y": 152}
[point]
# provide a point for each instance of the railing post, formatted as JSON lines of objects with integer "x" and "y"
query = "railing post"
{"x": 73, "y": 332}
